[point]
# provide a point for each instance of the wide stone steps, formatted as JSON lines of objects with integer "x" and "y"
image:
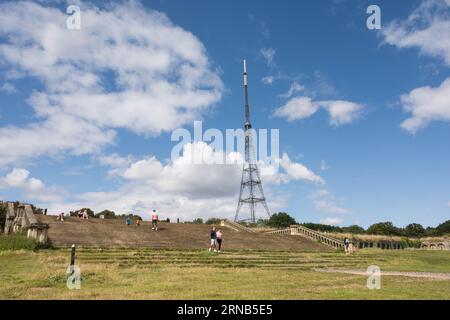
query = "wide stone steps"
{"x": 144, "y": 258}
{"x": 98, "y": 233}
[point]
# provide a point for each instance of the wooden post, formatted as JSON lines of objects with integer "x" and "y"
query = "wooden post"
{"x": 72, "y": 259}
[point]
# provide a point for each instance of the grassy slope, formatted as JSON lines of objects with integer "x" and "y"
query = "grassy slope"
{"x": 171, "y": 274}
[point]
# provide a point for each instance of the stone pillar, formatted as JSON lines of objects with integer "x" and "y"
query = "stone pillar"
{"x": 39, "y": 232}
{"x": 294, "y": 230}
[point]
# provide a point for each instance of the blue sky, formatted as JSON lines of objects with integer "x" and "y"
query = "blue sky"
{"x": 88, "y": 123}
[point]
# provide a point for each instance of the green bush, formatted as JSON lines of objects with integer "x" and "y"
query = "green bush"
{"x": 409, "y": 243}
{"x": 20, "y": 241}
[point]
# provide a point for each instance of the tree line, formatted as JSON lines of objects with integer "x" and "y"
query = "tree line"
{"x": 416, "y": 230}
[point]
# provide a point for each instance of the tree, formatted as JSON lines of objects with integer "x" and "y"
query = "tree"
{"x": 355, "y": 229}
{"x": 197, "y": 221}
{"x": 322, "y": 227}
{"x": 215, "y": 221}
{"x": 430, "y": 232}
{"x": 262, "y": 222}
{"x": 443, "y": 228}
{"x": 281, "y": 220}
{"x": 414, "y": 230}
{"x": 384, "y": 228}
{"x": 108, "y": 214}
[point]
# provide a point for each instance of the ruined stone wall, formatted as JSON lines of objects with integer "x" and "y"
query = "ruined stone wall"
{"x": 21, "y": 218}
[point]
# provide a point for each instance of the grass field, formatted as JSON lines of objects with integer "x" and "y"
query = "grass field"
{"x": 171, "y": 274}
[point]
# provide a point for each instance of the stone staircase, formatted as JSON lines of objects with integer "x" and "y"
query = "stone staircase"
{"x": 114, "y": 233}
{"x": 297, "y": 230}
{"x": 235, "y": 226}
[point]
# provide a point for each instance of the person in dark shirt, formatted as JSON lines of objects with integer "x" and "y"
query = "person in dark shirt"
{"x": 346, "y": 245}
{"x": 213, "y": 239}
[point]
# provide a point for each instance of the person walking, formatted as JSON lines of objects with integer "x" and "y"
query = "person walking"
{"x": 346, "y": 245}
{"x": 213, "y": 239}
{"x": 219, "y": 236}
{"x": 128, "y": 221}
{"x": 154, "y": 221}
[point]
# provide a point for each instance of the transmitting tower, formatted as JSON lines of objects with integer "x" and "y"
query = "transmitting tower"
{"x": 251, "y": 192}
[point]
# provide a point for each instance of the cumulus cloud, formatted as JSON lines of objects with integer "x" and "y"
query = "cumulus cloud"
{"x": 340, "y": 112}
{"x": 184, "y": 188}
{"x": 420, "y": 29}
{"x": 128, "y": 67}
{"x": 220, "y": 172}
{"x": 32, "y": 189}
{"x": 426, "y": 104}
{"x": 332, "y": 221}
{"x": 19, "y": 178}
{"x": 296, "y": 108}
{"x": 297, "y": 171}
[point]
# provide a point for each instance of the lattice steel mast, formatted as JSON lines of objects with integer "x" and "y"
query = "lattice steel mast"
{"x": 251, "y": 191}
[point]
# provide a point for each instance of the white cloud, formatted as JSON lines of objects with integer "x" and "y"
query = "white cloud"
{"x": 324, "y": 201}
{"x": 340, "y": 111}
{"x": 332, "y": 221}
{"x": 297, "y": 171}
{"x": 269, "y": 56}
{"x": 128, "y": 67}
{"x": 199, "y": 159}
{"x": 326, "y": 206}
{"x": 426, "y": 104}
{"x": 7, "y": 88}
{"x": 58, "y": 133}
{"x": 296, "y": 108}
{"x": 181, "y": 189}
{"x": 293, "y": 89}
{"x": 421, "y": 29}
{"x": 268, "y": 79}
{"x": 31, "y": 188}
{"x": 19, "y": 178}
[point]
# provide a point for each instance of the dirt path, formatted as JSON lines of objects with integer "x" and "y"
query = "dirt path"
{"x": 430, "y": 275}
